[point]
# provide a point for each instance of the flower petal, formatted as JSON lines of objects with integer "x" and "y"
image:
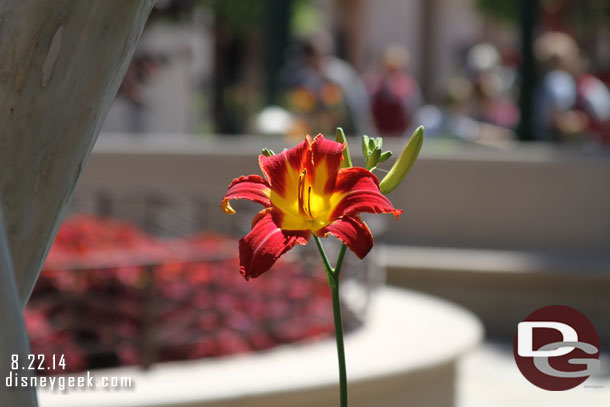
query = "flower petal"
{"x": 326, "y": 156}
{"x": 253, "y": 187}
{"x": 283, "y": 170}
{"x": 266, "y": 242}
{"x": 352, "y": 231}
{"x": 356, "y": 191}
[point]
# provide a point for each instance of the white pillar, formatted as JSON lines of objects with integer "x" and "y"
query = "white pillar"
{"x": 13, "y": 338}
{"x": 61, "y": 64}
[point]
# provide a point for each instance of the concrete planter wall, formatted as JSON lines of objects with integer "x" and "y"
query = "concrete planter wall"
{"x": 534, "y": 198}
{"x": 405, "y": 355}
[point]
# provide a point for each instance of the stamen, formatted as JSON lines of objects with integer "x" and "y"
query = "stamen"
{"x": 301, "y": 191}
{"x": 309, "y": 201}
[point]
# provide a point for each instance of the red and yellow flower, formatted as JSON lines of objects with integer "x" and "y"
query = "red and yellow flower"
{"x": 305, "y": 191}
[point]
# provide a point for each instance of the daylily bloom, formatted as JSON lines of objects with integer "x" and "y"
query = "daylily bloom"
{"x": 305, "y": 191}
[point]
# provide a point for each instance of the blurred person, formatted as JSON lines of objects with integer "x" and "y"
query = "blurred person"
{"x": 478, "y": 103}
{"x": 323, "y": 91}
{"x": 491, "y": 99}
{"x": 557, "y": 118}
{"x": 394, "y": 94}
{"x": 571, "y": 102}
{"x": 594, "y": 98}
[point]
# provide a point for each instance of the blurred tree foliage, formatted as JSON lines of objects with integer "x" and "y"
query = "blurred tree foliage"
{"x": 306, "y": 18}
{"x": 499, "y": 10}
{"x": 503, "y": 11}
{"x": 241, "y": 15}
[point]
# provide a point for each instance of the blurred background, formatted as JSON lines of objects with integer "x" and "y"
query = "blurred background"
{"x": 524, "y": 70}
{"x": 505, "y": 211}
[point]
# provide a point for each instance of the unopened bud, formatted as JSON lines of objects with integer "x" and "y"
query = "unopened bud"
{"x": 384, "y": 156}
{"x": 365, "y": 146}
{"x": 372, "y": 142}
{"x": 403, "y": 163}
{"x": 373, "y": 159}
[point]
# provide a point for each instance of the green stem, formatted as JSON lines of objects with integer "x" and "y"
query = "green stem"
{"x": 340, "y": 260}
{"x": 340, "y": 346}
{"x": 327, "y": 266}
{"x": 333, "y": 281}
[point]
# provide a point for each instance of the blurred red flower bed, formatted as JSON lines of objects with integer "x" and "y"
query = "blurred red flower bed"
{"x": 112, "y": 295}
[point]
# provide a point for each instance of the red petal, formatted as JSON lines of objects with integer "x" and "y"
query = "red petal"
{"x": 277, "y": 168}
{"x": 252, "y": 187}
{"x": 353, "y": 232}
{"x": 329, "y": 154}
{"x": 265, "y": 243}
{"x": 360, "y": 193}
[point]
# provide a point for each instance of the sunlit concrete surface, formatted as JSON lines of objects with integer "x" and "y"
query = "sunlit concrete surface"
{"x": 489, "y": 377}
{"x": 502, "y": 287}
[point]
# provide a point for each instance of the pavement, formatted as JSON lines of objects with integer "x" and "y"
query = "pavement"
{"x": 488, "y": 376}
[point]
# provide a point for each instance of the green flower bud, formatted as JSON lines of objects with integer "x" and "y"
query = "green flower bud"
{"x": 403, "y": 163}
{"x": 384, "y": 156}
{"x": 267, "y": 153}
{"x": 365, "y": 146}
{"x": 371, "y": 143}
{"x": 379, "y": 142}
{"x": 347, "y": 159}
{"x": 373, "y": 159}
